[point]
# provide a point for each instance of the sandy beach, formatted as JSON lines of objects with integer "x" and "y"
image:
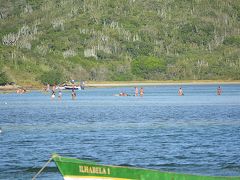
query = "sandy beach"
{"x": 95, "y": 84}
{"x": 9, "y": 88}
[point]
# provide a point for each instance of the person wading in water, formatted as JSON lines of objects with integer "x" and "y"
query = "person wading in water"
{"x": 141, "y": 91}
{"x": 180, "y": 92}
{"x": 136, "y": 91}
{"x": 73, "y": 94}
{"x": 219, "y": 91}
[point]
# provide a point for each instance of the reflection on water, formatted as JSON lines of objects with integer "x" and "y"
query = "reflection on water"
{"x": 197, "y": 133}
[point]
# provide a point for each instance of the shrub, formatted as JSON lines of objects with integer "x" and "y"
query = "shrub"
{"x": 148, "y": 66}
{"x": 52, "y": 78}
{"x": 122, "y": 77}
{"x": 233, "y": 41}
{"x": 3, "y": 79}
{"x": 197, "y": 32}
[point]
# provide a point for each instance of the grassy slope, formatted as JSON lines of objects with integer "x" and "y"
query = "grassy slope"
{"x": 198, "y": 39}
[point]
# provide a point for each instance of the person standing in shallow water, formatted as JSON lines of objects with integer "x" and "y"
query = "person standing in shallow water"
{"x": 53, "y": 95}
{"x": 180, "y": 91}
{"x": 73, "y": 94}
{"x": 141, "y": 91}
{"x": 136, "y": 91}
{"x": 219, "y": 90}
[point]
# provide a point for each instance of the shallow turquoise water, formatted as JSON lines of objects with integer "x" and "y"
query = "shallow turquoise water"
{"x": 198, "y": 133}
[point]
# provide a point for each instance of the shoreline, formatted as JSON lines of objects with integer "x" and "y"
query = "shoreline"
{"x": 102, "y": 84}
{"x": 156, "y": 83}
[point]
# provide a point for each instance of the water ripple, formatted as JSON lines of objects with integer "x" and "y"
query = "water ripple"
{"x": 190, "y": 134}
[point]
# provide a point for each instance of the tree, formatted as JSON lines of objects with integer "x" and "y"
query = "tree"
{"x": 3, "y": 79}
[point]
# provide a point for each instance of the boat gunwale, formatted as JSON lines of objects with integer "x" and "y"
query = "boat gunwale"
{"x": 76, "y": 161}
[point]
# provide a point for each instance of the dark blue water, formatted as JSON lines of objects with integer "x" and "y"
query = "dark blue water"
{"x": 198, "y": 133}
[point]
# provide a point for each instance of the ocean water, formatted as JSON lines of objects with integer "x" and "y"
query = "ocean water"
{"x": 198, "y": 133}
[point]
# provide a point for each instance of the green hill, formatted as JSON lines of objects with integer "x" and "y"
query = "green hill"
{"x": 119, "y": 40}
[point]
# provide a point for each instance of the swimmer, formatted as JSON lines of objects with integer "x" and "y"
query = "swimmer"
{"x": 123, "y": 94}
{"x": 21, "y": 91}
{"x": 180, "y": 92}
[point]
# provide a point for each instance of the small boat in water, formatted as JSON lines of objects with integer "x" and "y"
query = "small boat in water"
{"x": 72, "y": 87}
{"x": 76, "y": 169}
{"x": 69, "y": 87}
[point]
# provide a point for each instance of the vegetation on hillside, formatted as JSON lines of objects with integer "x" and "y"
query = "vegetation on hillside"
{"x": 3, "y": 79}
{"x": 119, "y": 40}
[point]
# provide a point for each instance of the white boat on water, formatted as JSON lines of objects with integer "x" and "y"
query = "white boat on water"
{"x": 61, "y": 87}
{"x": 66, "y": 87}
{"x": 72, "y": 87}
{"x": 69, "y": 88}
